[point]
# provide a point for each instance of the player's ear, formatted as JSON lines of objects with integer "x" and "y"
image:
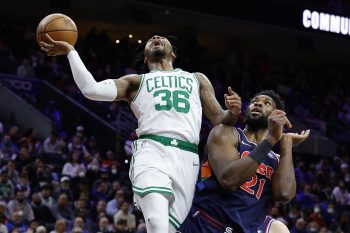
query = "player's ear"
{"x": 145, "y": 60}
{"x": 173, "y": 56}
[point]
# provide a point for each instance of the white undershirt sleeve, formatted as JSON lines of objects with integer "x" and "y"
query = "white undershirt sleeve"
{"x": 105, "y": 90}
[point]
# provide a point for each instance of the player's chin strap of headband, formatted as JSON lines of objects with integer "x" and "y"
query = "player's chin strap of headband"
{"x": 104, "y": 91}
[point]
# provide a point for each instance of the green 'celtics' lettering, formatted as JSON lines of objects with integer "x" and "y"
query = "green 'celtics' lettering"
{"x": 169, "y": 81}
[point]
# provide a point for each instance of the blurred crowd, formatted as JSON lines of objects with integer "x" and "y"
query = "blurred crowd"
{"x": 65, "y": 183}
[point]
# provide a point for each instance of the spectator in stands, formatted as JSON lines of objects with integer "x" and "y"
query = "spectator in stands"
{"x": 123, "y": 214}
{"x": 100, "y": 191}
{"x": 341, "y": 194}
{"x": 80, "y": 132}
{"x": 25, "y": 70}
{"x": 39, "y": 174}
{"x": 306, "y": 198}
{"x": 92, "y": 145}
{"x": 121, "y": 226}
{"x": 78, "y": 146}
{"x": 33, "y": 225}
{"x": 62, "y": 209}
{"x": 299, "y": 226}
{"x": 14, "y": 133}
{"x": 42, "y": 212}
{"x": 99, "y": 210}
{"x": 4, "y": 216}
{"x": 113, "y": 205}
{"x": 64, "y": 187}
{"x": 60, "y": 226}
{"x": 46, "y": 198}
{"x": 12, "y": 173}
{"x": 52, "y": 145}
{"x": 23, "y": 159}
{"x": 316, "y": 216}
{"x": 104, "y": 226}
{"x": 6, "y": 186}
{"x": 8, "y": 149}
{"x": 28, "y": 140}
{"x": 24, "y": 182}
{"x": 74, "y": 167}
{"x": 3, "y": 228}
{"x": 77, "y": 230}
{"x": 20, "y": 206}
{"x": 17, "y": 222}
{"x": 313, "y": 227}
{"x": 40, "y": 229}
{"x": 79, "y": 222}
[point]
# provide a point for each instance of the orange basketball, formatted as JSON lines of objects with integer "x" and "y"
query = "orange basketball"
{"x": 59, "y": 27}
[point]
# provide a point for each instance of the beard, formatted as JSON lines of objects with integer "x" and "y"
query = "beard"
{"x": 256, "y": 123}
{"x": 158, "y": 54}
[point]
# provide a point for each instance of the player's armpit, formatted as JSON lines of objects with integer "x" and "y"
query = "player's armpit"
{"x": 127, "y": 86}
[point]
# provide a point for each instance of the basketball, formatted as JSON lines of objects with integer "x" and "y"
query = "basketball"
{"x": 59, "y": 27}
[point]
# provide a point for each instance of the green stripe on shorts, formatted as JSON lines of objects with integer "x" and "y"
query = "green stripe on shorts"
{"x": 174, "y": 222}
{"x": 152, "y": 189}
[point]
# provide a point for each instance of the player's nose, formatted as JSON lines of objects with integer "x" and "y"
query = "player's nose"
{"x": 156, "y": 37}
{"x": 258, "y": 104}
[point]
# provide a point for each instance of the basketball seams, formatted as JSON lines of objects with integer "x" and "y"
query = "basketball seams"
{"x": 47, "y": 24}
{"x": 59, "y": 30}
{"x": 50, "y": 25}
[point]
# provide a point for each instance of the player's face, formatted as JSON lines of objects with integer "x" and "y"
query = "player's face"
{"x": 157, "y": 47}
{"x": 259, "y": 110}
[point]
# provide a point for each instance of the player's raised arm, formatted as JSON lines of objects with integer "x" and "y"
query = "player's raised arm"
{"x": 106, "y": 90}
{"x": 283, "y": 179}
{"x": 212, "y": 108}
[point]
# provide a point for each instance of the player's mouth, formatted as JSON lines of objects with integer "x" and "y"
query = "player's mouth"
{"x": 256, "y": 111}
{"x": 156, "y": 43}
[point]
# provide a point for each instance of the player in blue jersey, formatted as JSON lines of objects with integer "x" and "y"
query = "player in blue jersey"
{"x": 243, "y": 172}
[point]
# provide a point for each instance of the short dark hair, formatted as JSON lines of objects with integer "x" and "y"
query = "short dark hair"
{"x": 274, "y": 96}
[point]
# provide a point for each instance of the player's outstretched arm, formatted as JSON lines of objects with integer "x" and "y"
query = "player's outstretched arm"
{"x": 212, "y": 108}
{"x": 283, "y": 180}
{"x": 107, "y": 90}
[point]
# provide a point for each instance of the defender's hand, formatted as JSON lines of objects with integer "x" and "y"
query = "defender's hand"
{"x": 54, "y": 48}
{"x": 276, "y": 121}
{"x": 233, "y": 102}
{"x": 295, "y": 138}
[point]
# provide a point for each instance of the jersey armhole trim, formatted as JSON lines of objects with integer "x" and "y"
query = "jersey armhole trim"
{"x": 195, "y": 77}
{"x": 138, "y": 91}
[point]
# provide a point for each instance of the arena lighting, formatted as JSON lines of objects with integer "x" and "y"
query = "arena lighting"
{"x": 130, "y": 36}
{"x": 126, "y": 161}
{"x": 139, "y": 41}
{"x": 326, "y": 22}
{"x": 117, "y": 41}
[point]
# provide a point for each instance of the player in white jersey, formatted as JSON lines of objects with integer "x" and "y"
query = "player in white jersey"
{"x": 168, "y": 105}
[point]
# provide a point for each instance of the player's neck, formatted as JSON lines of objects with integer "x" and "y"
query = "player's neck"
{"x": 164, "y": 64}
{"x": 255, "y": 136}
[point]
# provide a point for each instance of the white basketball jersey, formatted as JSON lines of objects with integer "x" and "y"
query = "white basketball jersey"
{"x": 168, "y": 104}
